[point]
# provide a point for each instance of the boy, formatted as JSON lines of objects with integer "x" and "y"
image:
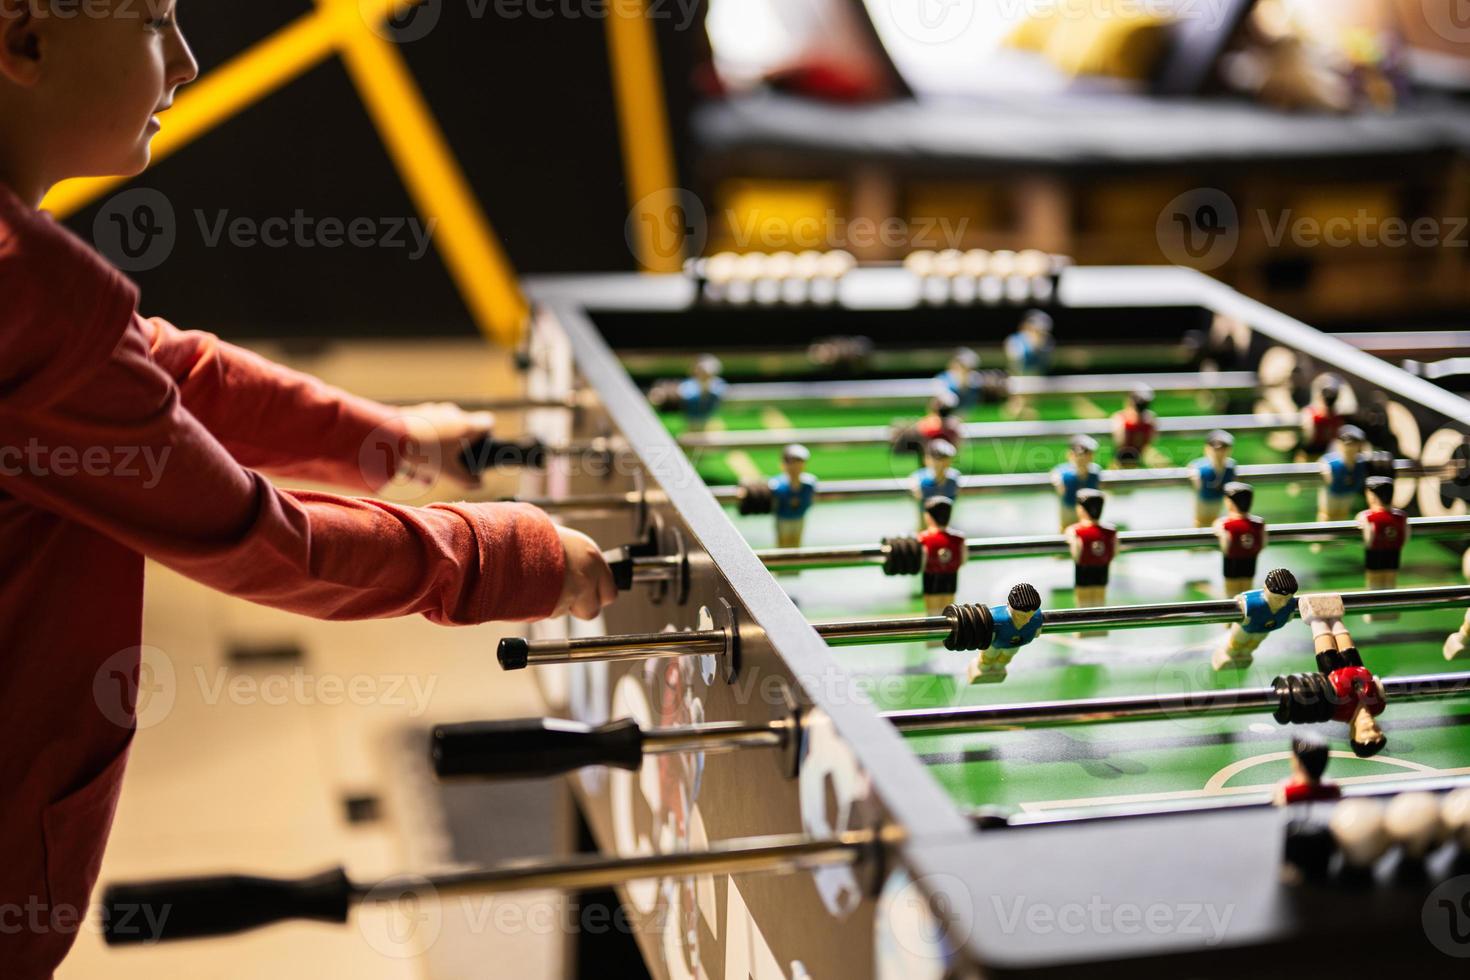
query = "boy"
{"x": 1385, "y": 532}
{"x": 1356, "y": 693}
{"x": 1320, "y": 419}
{"x": 1308, "y": 764}
{"x": 1015, "y": 624}
{"x": 83, "y": 377}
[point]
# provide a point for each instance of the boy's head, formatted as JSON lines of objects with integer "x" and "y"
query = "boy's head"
{"x": 943, "y": 404}
{"x": 81, "y": 84}
{"x": 1351, "y": 440}
{"x": 707, "y": 367}
{"x": 1082, "y": 449}
{"x": 1140, "y": 399}
{"x": 1038, "y": 323}
{"x": 1329, "y": 390}
{"x": 964, "y": 360}
{"x": 1309, "y": 753}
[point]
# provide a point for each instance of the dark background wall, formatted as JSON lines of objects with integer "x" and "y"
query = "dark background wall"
{"x": 526, "y": 107}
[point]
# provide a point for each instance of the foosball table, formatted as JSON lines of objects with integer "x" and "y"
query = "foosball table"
{"x": 979, "y": 625}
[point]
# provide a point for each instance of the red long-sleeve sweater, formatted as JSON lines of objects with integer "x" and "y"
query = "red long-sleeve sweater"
{"x": 122, "y": 438}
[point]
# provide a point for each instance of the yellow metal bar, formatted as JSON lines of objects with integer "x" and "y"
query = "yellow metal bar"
{"x": 656, "y": 214}
{"x": 223, "y": 93}
{"x": 434, "y": 180}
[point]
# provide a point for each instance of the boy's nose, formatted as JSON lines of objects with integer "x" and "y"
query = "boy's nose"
{"x": 182, "y": 68}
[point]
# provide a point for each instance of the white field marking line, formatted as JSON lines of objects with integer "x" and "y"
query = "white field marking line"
{"x": 1086, "y": 408}
{"x": 1426, "y": 772}
{"x": 773, "y": 418}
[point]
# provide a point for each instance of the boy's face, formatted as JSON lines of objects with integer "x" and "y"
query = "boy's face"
{"x": 96, "y": 74}
{"x": 795, "y": 468}
{"x": 1019, "y": 619}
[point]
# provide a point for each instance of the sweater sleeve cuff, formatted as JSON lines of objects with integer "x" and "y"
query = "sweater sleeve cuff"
{"x": 522, "y": 561}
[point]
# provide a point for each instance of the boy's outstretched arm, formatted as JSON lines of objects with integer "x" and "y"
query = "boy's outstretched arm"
{"x": 117, "y": 450}
{"x": 284, "y": 422}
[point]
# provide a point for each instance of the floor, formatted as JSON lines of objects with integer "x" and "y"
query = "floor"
{"x": 248, "y": 765}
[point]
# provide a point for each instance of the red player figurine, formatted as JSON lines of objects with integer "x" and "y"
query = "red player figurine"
{"x": 1093, "y": 544}
{"x": 1385, "y": 532}
{"x": 1134, "y": 428}
{"x": 1320, "y": 420}
{"x": 1357, "y": 695}
{"x": 944, "y": 553}
{"x": 1242, "y": 535}
{"x": 943, "y": 420}
{"x": 1308, "y": 763}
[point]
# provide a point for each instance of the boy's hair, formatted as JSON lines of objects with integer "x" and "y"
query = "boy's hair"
{"x": 1024, "y": 598}
{"x": 1311, "y": 752}
{"x": 1220, "y": 439}
{"x": 1241, "y": 495}
{"x": 1351, "y": 433}
{"x": 709, "y": 364}
{"x": 1330, "y": 387}
{"x": 795, "y": 453}
{"x": 1082, "y": 444}
{"x": 1141, "y": 397}
{"x": 1091, "y": 502}
{"x": 1281, "y": 582}
{"x": 1381, "y": 488}
{"x": 939, "y": 508}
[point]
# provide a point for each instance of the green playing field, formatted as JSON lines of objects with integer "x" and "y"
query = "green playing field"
{"x": 1114, "y": 765}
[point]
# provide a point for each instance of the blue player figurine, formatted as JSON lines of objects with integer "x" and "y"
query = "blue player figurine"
{"x": 793, "y": 492}
{"x": 1344, "y": 475}
{"x": 1013, "y": 625}
{"x": 1209, "y": 476}
{"x": 1264, "y": 611}
{"x": 1079, "y": 472}
{"x": 937, "y": 478}
{"x": 962, "y": 378}
{"x": 1030, "y": 348}
{"x": 700, "y": 394}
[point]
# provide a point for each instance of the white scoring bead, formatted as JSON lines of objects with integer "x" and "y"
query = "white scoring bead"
{"x": 1454, "y": 813}
{"x": 920, "y": 263}
{"x": 1413, "y": 821}
{"x": 750, "y": 267}
{"x": 720, "y": 267}
{"x": 807, "y": 264}
{"x": 837, "y": 264}
{"x": 1033, "y": 262}
{"x": 949, "y": 263}
{"x": 976, "y": 262}
{"x": 780, "y": 265}
{"x": 1002, "y": 263}
{"x": 1357, "y": 826}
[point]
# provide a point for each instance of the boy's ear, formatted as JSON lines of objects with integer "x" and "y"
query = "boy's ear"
{"x": 20, "y": 43}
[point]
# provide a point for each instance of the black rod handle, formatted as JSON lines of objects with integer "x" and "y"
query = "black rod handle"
{"x": 532, "y": 748}
{"x": 485, "y": 454}
{"x": 620, "y": 561}
{"x": 219, "y": 905}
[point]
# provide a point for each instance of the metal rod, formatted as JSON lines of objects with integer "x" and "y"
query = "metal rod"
{"x": 1041, "y": 545}
{"x": 1197, "y": 704}
{"x": 1113, "y": 480}
{"x": 923, "y": 628}
{"x": 715, "y": 737}
{"x": 1061, "y": 429}
{"x": 918, "y": 389}
{"x": 776, "y": 854}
